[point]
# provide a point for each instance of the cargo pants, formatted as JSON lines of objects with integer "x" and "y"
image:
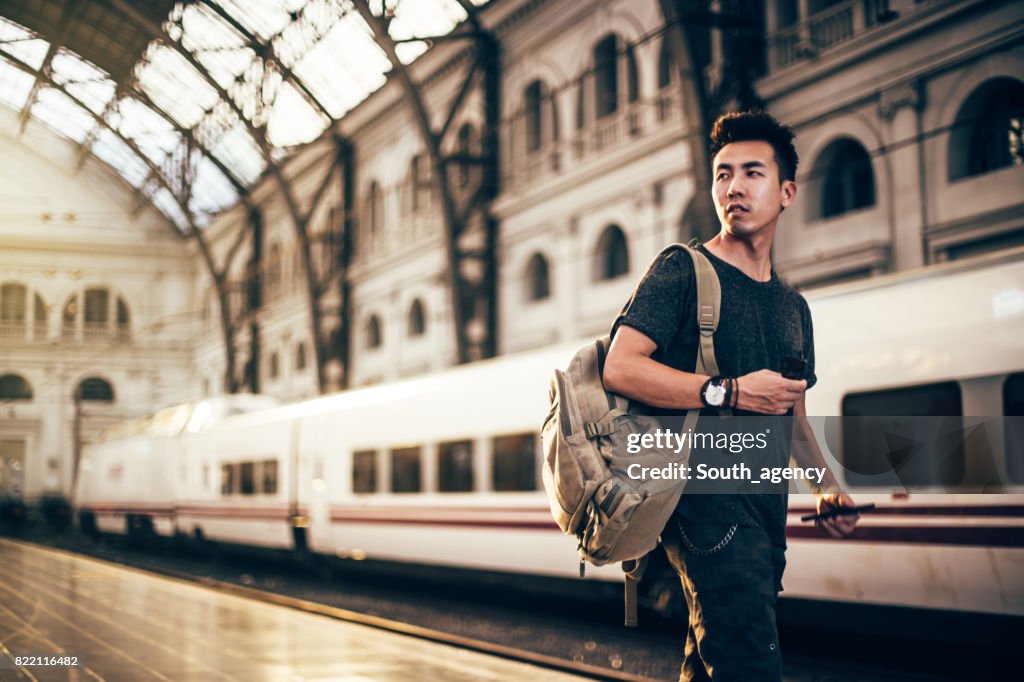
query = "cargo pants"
{"x": 731, "y": 596}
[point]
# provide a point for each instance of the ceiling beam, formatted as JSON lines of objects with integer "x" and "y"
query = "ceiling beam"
{"x": 153, "y": 168}
{"x": 268, "y": 46}
{"x": 68, "y": 11}
{"x": 157, "y": 32}
{"x": 238, "y": 185}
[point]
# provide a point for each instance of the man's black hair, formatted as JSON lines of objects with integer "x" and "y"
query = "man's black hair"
{"x": 748, "y": 126}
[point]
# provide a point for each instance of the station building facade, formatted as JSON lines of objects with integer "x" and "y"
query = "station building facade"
{"x": 96, "y": 309}
{"x": 909, "y": 118}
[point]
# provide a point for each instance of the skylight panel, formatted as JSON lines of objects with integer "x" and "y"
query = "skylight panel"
{"x": 265, "y": 19}
{"x": 312, "y": 24}
{"x": 212, "y": 192}
{"x": 87, "y": 82}
{"x": 57, "y": 111}
{"x": 21, "y": 43}
{"x": 96, "y": 95}
{"x": 423, "y": 19}
{"x": 293, "y": 121}
{"x": 216, "y": 45}
{"x": 175, "y": 86}
{"x": 68, "y": 66}
{"x": 239, "y": 152}
{"x": 153, "y": 134}
{"x": 344, "y": 67}
{"x": 15, "y": 85}
{"x": 168, "y": 205}
{"x": 109, "y": 148}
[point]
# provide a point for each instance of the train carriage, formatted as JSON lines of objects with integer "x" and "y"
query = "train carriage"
{"x": 442, "y": 470}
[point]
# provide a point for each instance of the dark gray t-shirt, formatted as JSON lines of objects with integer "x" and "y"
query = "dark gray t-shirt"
{"x": 760, "y": 324}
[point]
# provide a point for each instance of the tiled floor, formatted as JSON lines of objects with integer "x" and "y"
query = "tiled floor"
{"x": 129, "y": 625}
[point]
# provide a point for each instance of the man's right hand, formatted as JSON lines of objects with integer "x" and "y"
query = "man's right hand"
{"x": 768, "y": 392}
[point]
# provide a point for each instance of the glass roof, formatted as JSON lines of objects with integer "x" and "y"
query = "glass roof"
{"x": 222, "y": 89}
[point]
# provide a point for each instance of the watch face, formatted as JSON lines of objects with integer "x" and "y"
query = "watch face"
{"x": 715, "y": 395}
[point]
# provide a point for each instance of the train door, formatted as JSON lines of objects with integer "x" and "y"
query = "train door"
{"x": 319, "y": 507}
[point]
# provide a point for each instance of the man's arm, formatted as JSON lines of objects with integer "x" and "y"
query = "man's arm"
{"x": 630, "y": 370}
{"x": 806, "y": 453}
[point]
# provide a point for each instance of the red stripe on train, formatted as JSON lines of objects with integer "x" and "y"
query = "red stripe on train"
{"x": 999, "y": 536}
{"x": 935, "y": 510}
{"x": 988, "y": 536}
{"x": 462, "y": 523}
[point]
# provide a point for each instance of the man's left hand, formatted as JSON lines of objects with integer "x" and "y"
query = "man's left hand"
{"x": 837, "y": 526}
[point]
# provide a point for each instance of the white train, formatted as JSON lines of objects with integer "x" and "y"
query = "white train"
{"x": 443, "y": 469}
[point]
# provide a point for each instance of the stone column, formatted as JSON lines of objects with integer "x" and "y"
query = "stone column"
{"x": 899, "y": 108}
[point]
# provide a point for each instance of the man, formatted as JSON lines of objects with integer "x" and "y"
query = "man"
{"x": 729, "y": 549}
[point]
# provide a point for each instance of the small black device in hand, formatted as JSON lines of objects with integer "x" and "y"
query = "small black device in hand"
{"x": 793, "y": 368}
{"x": 838, "y": 511}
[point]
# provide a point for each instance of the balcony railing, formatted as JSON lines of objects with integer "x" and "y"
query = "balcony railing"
{"x": 99, "y": 332}
{"x": 610, "y": 131}
{"x": 834, "y": 26}
{"x": 820, "y": 32}
{"x": 632, "y": 121}
{"x": 18, "y": 330}
{"x": 13, "y": 329}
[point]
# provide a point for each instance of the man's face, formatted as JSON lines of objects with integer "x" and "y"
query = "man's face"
{"x": 746, "y": 189}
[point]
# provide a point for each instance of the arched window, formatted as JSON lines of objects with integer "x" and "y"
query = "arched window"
{"x": 274, "y": 365}
{"x": 581, "y": 104}
{"x": 97, "y": 307}
{"x": 375, "y": 207}
{"x": 606, "y": 77}
{"x": 123, "y": 319}
{"x": 666, "y": 64}
{"x": 533, "y": 103}
{"x": 666, "y": 77}
{"x": 272, "y": 286}
{"x": 419, "y": 170}
{"x": 846, "y": 176}
{"x": 989, "y": 130}
{"x": 300, "y": 356}
{"x": 632, "y": 76}
{"x": 611, "y": 257}
{"x": 465, "y": 145}
{"x": 104, "y": 316}
{"x": 417, "y": 319}
{"x": 96, "y": 390}
{"x": 13, "y": 303}
{"x": 374, "y": 336}
{"x": 14, "y": 387}
{"x": 538, "y": 283}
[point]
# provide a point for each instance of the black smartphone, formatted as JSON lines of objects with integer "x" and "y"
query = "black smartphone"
{"x": 838, "y": 511}
{"x": 793, "y": 368}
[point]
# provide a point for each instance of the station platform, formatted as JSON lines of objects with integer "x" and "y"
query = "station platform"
{"x": 123, "y": 624}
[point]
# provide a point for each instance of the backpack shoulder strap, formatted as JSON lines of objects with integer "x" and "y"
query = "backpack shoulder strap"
{"x": 709, "y": 305}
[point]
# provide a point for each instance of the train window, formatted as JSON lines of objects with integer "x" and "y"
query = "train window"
{"x": 1013, "y": 429}
{"x": 364, "y": 471}
{"x": 227, "y": 479}
{"x": 455, "y": 466}
{"x": 515, "y": 462}
{"x": 269, "y": 476}
{"x": 246, "y": 478}
{"x": 882, "y": 442}
{"x": 405, "y": 470}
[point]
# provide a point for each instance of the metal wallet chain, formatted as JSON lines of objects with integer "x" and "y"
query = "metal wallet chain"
{"x": 690, "y": 547}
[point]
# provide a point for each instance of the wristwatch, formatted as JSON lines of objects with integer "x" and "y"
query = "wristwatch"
{"x": 713, "y": 392}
